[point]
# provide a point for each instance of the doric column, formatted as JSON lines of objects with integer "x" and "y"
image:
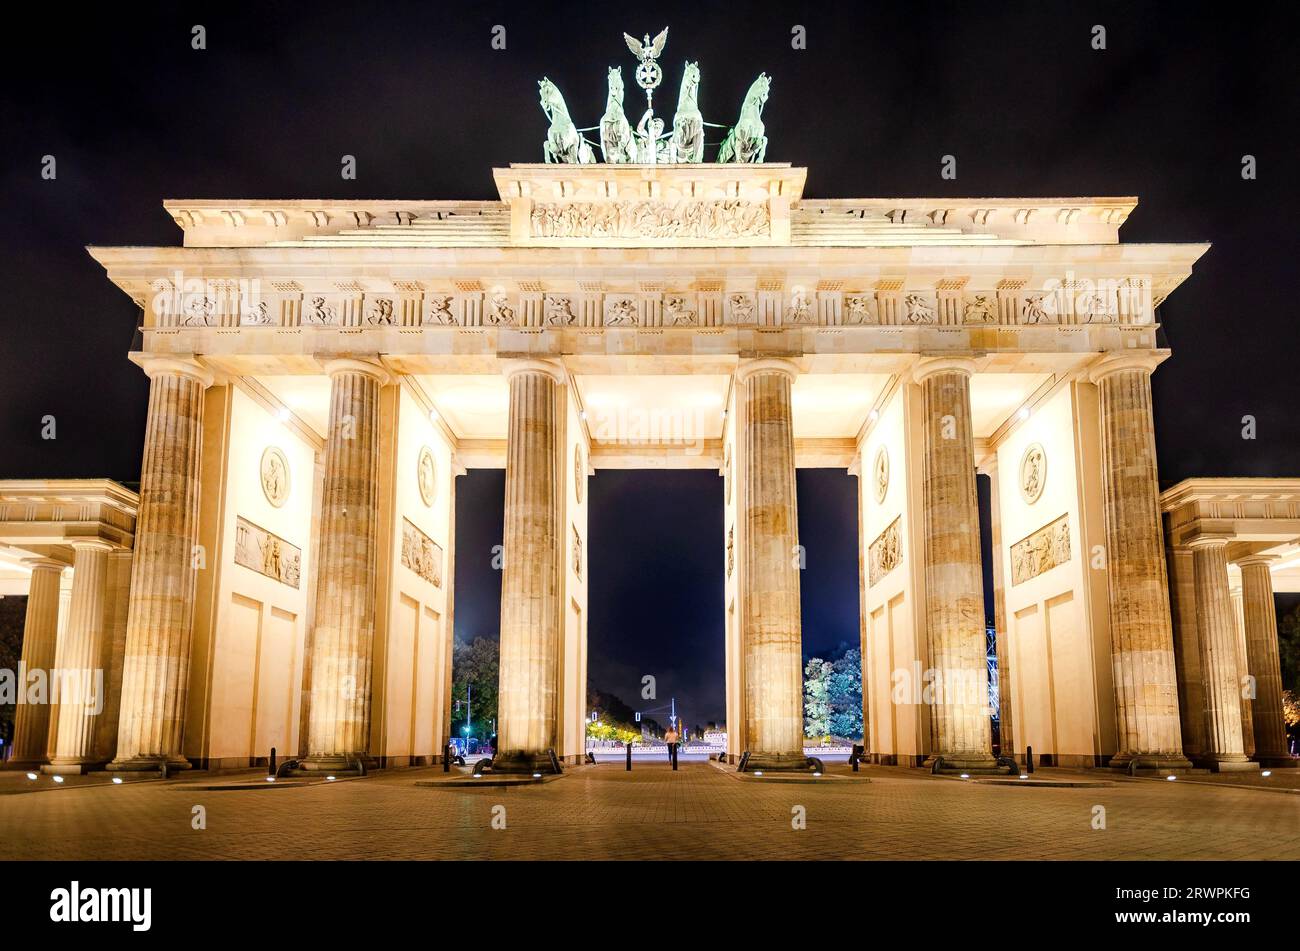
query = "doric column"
{"x": 1262, "y": 661}
{"x": 531, "y": 577}
{"x": 772, "y": 627}
{"x": 960, "y": 731}
{"x": 1216, "y": 633}
{"x": 342, "y": 645}
{"x": 155, "y": 671}
{"x": 79, "y": 657}
{"x": 1142, "y": 645}
{"x": 40, "y": 636}
{"x": 1239, "y": 630}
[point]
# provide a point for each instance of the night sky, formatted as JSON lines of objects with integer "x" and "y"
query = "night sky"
{"x": 1015, "y": 92}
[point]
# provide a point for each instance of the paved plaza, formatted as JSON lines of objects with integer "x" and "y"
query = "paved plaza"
{"x": 603, "y": 812}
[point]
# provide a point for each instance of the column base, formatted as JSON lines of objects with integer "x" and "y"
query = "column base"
{"x": 346, "y": 764}
{"x": 1155, "y": 761}
{"x": 78, "y": 768}
{"x": 1229, "y": 763}
{"x": 776, "y": 762}
{"x": 147, "y": 764}
{"x": 971, "y": 761}
{"x": 522, "y": 761}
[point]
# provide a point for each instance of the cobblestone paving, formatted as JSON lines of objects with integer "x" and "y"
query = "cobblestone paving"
{"x": 698, "y": 812}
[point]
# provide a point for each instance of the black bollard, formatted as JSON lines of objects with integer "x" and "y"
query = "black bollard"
{"x": 1029, "y": 759}
{"x": 629, "y": 756}
{"x": 446, "y": 759}
{"x": 270, "y": 770}
{"x": 672, "y": 751}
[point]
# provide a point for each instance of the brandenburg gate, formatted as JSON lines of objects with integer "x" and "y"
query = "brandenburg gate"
{"x": 322, "y": 371}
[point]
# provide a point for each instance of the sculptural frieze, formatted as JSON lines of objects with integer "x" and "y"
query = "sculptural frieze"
{"x": 1042, "y": 551}
{"x": 257, "y": 315}
{"x": 499, "y": 312}
{"x": 860, "y": 309}
{"x": 677, "y": 313}
{"x": 621, "y": 311}
{"x": 559, "y": 312}
{"x": 919, "y": 310}
{"x": 711, "y": 219}
{"x": 440, "y": 312}
{"x": 1035, "y": 310}
{"x": 742, "y": 308}
{"x": 319, "y": 311}
{"x": 885, "y": 553}
{"x": 267, "y": 553}
{"x": 801, "y": 309}
{"x": 200, "y": 312}
{"x": 381, "y": 311}
{"x": 980, "y": 309}
{"x": 421, "y": 554}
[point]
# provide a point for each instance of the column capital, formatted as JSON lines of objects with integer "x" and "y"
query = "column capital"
{"x": 1144, "y": 360}
{"x": 1208, "y": 540}
{"x": 511, "y": 366}
{"x": 156, "y": 365}
{"x": 37, "y": 562}
{"x": 1250, "y": 561}
{"x": 368, "y": 368}
{"x": 931, "y": 366}
{"x": 91, "y": 544}
{"x": 752, "y": 367}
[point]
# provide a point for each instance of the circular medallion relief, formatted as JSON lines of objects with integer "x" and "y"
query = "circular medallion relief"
{"x": 1033, "y": 473}
{"x": 426, "y": 475}
{"x": 275, "y": 476}
{"x": 880, "y": 474}
{"x": 579, "y": 473}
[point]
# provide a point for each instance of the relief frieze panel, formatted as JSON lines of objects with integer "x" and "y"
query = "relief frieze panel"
{"x": 267, "y": 553}
{"x": 1042, "y": 551}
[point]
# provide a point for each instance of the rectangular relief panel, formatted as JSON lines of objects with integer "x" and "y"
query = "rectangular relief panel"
{"x": 1042, "y": 551}
{"x": 421, "y": 554}
{"x": 267, "y": 553}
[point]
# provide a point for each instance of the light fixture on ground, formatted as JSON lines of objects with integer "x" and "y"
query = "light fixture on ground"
{"x": 117, "y": 780}
{"x": 31, "y": 776}
{"x": 58, "y": 779}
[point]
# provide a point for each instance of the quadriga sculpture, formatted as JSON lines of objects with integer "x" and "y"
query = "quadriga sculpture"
{"x": 747, "y": 141}
{"x": 564, "y": 143}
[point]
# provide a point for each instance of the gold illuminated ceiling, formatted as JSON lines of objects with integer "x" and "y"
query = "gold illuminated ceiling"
{"x": 626, "y": 408}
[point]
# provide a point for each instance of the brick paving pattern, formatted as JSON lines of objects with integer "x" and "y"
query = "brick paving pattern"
{"x": 699, "y": 812}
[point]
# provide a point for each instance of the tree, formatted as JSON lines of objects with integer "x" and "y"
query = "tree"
{"x": 816, "y": 698}
{"x": 1291, "y": 708}
{"x": 845, "y": 695}
{"x": 476, "y": 664}
{"x": 1288, "y": 644}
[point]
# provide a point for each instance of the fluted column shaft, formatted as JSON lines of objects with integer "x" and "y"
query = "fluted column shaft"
{"x": 1263, "y": 663}
{"x": 960, "y": 731}
{"x": 40, "y": 637}
{"x": 1142, "y": 644}
{"x": 79, "y": 657}
{"x": 773, "y": 632}
{"x": 1216, "y": 631}
{"x": 343, "y": 641}
{"x": 155, "y": 671}
{"x": 531, "y": 576}
{"x": 1243, "y": 668}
